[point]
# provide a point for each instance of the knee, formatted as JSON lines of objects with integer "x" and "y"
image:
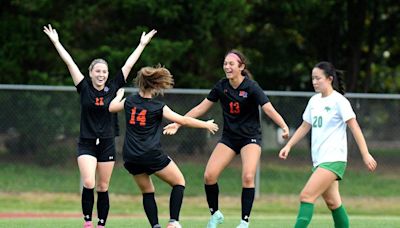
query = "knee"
{"x": 182, "y": 182}
{"x": 88, "y": 183}
{"x": 331, "y": 203}
{"x": 179, "y": 181}
{"x": 209, "y": 178}
{"x": 102, "y": 186}
{"x": 248, "y": 180}
{"x": 306, "y": 196}
{"x": 147, "y": 189}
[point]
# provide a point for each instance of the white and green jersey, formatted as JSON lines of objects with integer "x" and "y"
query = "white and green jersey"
{"x": 328, "y": 116}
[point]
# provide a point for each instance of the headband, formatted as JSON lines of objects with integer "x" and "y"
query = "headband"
{"x": 235, "y": 56}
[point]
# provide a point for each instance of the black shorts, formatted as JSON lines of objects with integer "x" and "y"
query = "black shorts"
{"x": 149, "y": 168}
{"x": 104, "y": 151}
{"x": 237, "y": 144}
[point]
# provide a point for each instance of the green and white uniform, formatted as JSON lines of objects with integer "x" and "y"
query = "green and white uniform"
{"x": 328, "y": 116}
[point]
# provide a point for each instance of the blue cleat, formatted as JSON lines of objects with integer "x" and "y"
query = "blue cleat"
{"x": 243, "y": 224}
{"x": 174, "y": 224}
{"x": 216, "y": 218}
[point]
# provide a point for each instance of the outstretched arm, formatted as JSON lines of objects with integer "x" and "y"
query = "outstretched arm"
{"x": 355, "y": 129}
{"x": 297, "y": 136}
{"x": 76, "y": 74}
{"x": 195, "y": 112}
{"x": 189, "y": 121}
{"x": 144, "y": 40}
{"x": 270, "y": 111}
{"x": 117, "y": 104}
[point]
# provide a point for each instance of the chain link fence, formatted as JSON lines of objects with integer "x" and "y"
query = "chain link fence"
{"x": 40, "y": 125}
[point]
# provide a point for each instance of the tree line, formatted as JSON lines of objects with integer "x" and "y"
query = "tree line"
{"x": 282, "y": 39}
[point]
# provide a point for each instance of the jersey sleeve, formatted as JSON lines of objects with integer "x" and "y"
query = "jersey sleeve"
{"x": 214, "y": 95}
{"x": 116, "y": 124}
{"x": 259, "y": 95}
{"x": 307, "y": 112}
{"x": 345, "y": 110}
{"x": 127, "y": 101}
{"x": 163, "y": 105}
{"x": 81, "y": 85}
{"x": 119, "y": 80}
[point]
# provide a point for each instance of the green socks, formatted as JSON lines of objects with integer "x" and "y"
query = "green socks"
{"x": 307, "y": 209}
{"x": 340, "y": 217}
{"x": 305, "y": 214}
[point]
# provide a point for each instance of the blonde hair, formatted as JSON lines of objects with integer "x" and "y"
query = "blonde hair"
{"x": 96, "y": 61}
{"x": 155, "y": 78}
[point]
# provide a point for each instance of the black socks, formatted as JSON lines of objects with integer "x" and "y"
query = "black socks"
{"x": 150, "y": 208}
{"x": 247, "y": 202}
{"x": 212, "y": 192}
{"x": 103, "y": 206}
{"x": 87, "y": 202}
{"x": 175, "y": 201}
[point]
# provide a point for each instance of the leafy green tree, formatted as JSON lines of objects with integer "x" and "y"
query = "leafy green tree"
{"x": 283, "y": 39}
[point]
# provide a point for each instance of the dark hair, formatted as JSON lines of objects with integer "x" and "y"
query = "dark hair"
{"x": 337, "y": 75}
{"x": 155, "y": 78}
{"x": 243, "y": 60}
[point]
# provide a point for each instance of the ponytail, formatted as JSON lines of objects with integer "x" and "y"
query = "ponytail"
{"x": 245, "y": 72}
{"x": 338, "y": 82}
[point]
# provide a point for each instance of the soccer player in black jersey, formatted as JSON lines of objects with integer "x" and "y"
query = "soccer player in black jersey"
{"x": 96, "y": 147}
{"x": 142, "y": 150}
{"x": 240, "y": 98}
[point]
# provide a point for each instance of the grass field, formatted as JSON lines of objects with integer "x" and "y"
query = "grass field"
{"x": 35, "y": 196}
{"x": 200, "y": 222}
{"x": 63, "y": 210}
{"x": 276, "y": 178}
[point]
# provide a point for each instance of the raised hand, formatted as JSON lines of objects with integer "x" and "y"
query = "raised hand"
{"x": 76, "y": 74}
{"x": 51, "y": 33}
{"x": 145, "y": 39}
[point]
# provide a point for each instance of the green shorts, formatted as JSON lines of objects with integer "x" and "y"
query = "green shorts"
{"x": 337, "y": 168}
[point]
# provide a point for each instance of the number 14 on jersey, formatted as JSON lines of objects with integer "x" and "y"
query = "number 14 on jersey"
{"x": 138, "y": 117}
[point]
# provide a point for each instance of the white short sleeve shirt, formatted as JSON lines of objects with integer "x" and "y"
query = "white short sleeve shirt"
{"x": 328, "y": 116}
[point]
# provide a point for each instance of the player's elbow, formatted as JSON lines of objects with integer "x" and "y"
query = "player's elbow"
{"x": 112, "y": 108}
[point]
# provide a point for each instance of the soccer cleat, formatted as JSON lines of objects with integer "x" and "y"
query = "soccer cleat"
{"x": 157, "y": 226}
{"x": 216, "y": 218}
{"x": 243, "y": 224}
{"x": 174, "y": 224}
{"x": 88, "y": 224}
{"x": 100, "y": 226}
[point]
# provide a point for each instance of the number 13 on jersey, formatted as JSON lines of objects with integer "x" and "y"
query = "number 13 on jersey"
{"x": 234, "y": 107}
{"x": 140, "y": 117}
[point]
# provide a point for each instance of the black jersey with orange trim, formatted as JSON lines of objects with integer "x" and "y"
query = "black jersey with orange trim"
{"x": 96, "y": 120}
{"x": 143, "y": 118}
{"x": 239, "y": 107}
